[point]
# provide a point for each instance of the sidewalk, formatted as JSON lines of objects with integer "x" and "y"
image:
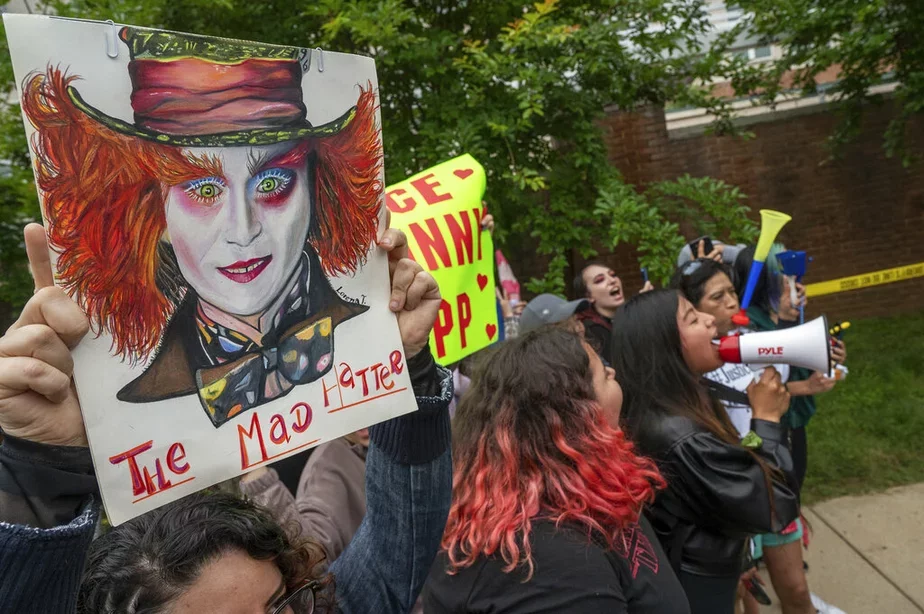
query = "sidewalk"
{"x": 867, "y": 553}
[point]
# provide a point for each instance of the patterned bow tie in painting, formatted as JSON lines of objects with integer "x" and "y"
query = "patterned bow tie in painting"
{"x": 245, "y": 374}
{"x": 263, "y": 374}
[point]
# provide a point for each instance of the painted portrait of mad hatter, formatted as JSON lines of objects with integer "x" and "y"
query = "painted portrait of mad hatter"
{"x": 201, "y": 235}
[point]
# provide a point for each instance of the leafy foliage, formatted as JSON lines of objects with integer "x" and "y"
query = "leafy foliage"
{"x": 18, "y": 201}
{"x": 522, "y": 87}
{"x": 646, "y": 219}
{"x": 869, "y": 43}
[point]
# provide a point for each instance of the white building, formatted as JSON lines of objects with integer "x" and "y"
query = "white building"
{"x": 725, "y": 16}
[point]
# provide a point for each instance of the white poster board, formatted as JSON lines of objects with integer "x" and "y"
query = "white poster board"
{"x": 212, "y": 204}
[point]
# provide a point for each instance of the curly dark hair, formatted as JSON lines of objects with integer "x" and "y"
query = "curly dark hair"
{"x": 140, "y": 567}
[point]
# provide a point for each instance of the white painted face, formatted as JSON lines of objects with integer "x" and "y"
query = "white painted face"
{"x": 238, "y": 236}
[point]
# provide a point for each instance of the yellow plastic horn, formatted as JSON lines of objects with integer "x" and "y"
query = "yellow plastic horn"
{"x": 771, "y": 223}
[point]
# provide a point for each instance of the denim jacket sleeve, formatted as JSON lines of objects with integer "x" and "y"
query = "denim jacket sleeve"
{"x": 48, "y": 516}
{"x": 408, "y": 493}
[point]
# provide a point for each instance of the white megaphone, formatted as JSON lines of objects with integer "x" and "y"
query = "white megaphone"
{"x": 806, "y": 345}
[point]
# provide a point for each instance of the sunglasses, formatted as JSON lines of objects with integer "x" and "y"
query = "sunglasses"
{"x": 692, "y": 266}
{"x": 301, "y": 598}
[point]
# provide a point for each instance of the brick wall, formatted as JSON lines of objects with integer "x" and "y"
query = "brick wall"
{"x": 854, "y": 215}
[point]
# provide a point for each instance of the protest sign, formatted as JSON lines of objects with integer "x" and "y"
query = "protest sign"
{"x": 440, "y": 210}
{"x": 212, "y": 205}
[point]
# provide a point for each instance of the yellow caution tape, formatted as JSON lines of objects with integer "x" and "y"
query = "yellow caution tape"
{"x": 876, "y": 278}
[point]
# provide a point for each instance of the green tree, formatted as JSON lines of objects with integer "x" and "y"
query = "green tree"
{"x": 646, "y": 219}
{"x": 869, "y": 43}
{"x": 18, "y": 200}
{"x": 520, "y": 86}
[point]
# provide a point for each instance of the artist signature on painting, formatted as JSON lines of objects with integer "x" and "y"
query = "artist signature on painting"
{"x": 351, "y": 299}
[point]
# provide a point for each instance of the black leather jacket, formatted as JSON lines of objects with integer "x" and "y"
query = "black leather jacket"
{"x": 716, "y": 495}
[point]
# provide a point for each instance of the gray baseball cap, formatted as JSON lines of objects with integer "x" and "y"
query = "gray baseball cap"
{"x": 548, "y": 309}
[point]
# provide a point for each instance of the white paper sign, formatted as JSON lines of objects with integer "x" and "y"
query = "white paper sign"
{"x": 212, "y": 204}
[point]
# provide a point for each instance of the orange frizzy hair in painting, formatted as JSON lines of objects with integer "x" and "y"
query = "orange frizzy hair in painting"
{"x": 349, "y": 188}
{"x": 104, "y": 195}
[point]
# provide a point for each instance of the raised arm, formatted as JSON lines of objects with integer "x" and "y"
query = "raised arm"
{"x": 409, "y": 465}
{"x": 408, "y": 493}
{"x": 47, "y": 509}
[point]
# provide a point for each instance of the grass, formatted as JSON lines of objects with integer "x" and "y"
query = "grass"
{"x": 868, "y": 434}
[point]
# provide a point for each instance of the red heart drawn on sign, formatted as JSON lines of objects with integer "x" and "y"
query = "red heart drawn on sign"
{"x": 491, "y": 330}
{"x": 463, "y": 173}
{"x": 482, "y": 281}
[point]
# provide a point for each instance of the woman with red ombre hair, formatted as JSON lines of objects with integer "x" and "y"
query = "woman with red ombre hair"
{"x": 203, "y": 233}
{"x": 548, "y": 493}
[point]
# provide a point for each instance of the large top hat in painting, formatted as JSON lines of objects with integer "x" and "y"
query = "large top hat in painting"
{"x": 193, "y": 91}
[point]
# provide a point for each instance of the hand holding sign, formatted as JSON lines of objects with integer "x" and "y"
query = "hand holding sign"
{"x": 415, "y": 297}
{"x": 838, "y": 351}
{"x": 38, "y": 401}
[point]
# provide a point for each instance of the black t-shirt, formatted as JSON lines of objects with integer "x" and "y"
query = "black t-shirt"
{"x": 572, "y": 576}
{"x": 598, "y": 332}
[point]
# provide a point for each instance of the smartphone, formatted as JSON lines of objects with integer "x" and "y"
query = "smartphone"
{"x": 757, "y": 590}
{"x": 707, "y": 246}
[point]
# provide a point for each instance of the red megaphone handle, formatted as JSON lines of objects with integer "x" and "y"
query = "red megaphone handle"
{"x": 730, "y": 348}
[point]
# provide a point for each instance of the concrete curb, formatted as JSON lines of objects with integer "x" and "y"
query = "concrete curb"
{"x": 867, "y": 552}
